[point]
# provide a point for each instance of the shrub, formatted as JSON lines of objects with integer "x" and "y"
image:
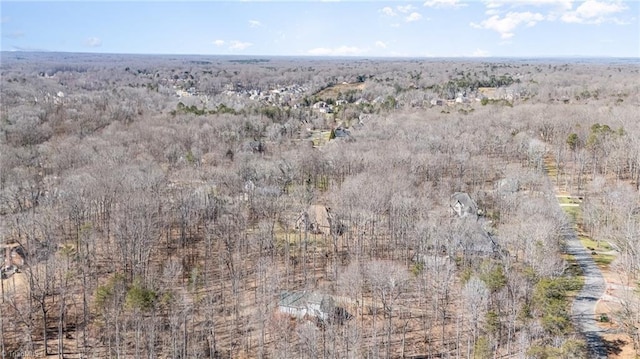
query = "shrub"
{"x": 139, "y": 297}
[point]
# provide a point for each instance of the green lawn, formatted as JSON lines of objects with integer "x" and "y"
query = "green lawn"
{"x": 320, "y": 138}
{"x": 574, "y": 213}
{"x": 598, "y": 251}
{"x": 588, "y": 242}
{"x": 603, "y": 260}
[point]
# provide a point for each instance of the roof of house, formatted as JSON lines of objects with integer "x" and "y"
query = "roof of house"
{"x": 316, "y": 219}
{"x": 341, "y": 132}
{"x": 292, "y": 299}
{"x": 303, "y": 299}
{"x": 308, "y": 304}
{"x": 468, "y": 204}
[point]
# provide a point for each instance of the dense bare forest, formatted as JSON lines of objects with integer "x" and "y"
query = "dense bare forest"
{"x": 239, "y": 207}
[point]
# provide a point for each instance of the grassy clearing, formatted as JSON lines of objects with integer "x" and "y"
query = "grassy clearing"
{"x": 574, "y": 213}
{"x": 320, "y": 138}
{"x": 592, "y": 244}
{"x": 334, "y": 91}
{"x": 599, "y": 251}
{"x": 603, "y": 260}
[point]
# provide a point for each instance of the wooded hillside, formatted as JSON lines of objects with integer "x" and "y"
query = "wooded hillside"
{"x": 166, "y": 206}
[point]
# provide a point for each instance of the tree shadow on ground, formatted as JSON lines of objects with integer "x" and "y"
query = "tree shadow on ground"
{"x": 614, "y": 346}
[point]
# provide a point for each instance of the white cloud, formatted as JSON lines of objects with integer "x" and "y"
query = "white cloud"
{"x": 13, "y": 35}
{"x": 571, "y": 17}
{"x": 27, "y": 48}
{"x": 254, "y": 23}
{"x": 480, "y": 53}
{"x": 493, "y": 4}
{"x": 218, "y": 42}
{"x": 388, "y": 11}
{"x": 239, "y": 45}
{"x": 506, "y": 25}
{"x": 337, "y": 51}
{"x": 558, "y": 4}
{"x": 594, "y": 12}
{"x": 414, "y": 16}
{"x": 381, "y": 44}
{"x": 93, "y": 42}
{"x": 444, "y": 3}
{"x": 565, "y": 4}
{"x": 585, "y": 12}
{"x": 405, "y": 9}
{"x": 621, "y": 21}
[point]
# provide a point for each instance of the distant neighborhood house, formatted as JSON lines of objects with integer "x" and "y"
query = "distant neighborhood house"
{"x": 322, "y": 107}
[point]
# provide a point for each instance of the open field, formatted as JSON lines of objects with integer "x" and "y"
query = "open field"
{"x": 334, "y": 92}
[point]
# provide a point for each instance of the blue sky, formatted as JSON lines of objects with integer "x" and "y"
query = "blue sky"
{"x": 429, "y": 28}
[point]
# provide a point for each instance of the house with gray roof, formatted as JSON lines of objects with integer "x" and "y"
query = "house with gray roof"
{"x": 463, "y": 205}
{"x": 306, "y": 304}
{"x": 311, "y": 305}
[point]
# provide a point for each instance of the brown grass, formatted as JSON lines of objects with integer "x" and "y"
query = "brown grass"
{"x": 335, "y": 90}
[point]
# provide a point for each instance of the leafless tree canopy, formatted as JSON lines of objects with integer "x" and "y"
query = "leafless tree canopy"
{"x": 160, "y": 206}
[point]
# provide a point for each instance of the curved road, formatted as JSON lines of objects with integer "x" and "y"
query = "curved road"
{"x": 583, "y": 310}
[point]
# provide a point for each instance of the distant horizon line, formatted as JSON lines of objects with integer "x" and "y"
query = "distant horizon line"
{"x": 258, "y": 56}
